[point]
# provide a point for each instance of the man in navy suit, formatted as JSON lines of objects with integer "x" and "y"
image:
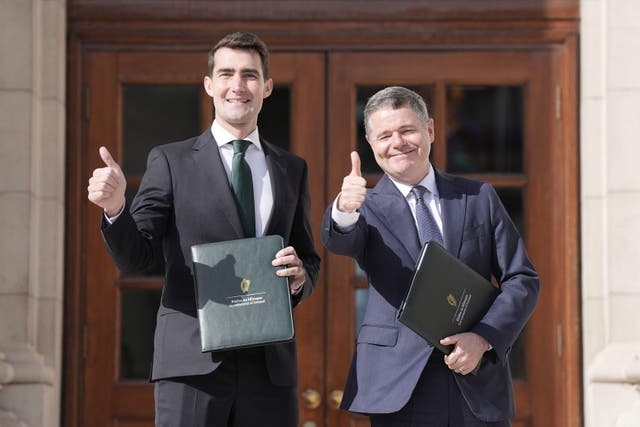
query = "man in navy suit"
{"x": 396, "y": 377}
{"x": 186, "y": 198}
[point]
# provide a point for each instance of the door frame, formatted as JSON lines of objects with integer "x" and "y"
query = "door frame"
{"x": 434, "y": 26}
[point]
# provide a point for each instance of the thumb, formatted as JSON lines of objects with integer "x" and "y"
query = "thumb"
{"x": 355, "y": 164}
{"x": 449, "y": 340}
{"x": 107, "y": 158}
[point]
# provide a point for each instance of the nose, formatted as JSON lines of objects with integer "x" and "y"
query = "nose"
{"x": 237, "y": 82}
{"x": 396, "y": 139}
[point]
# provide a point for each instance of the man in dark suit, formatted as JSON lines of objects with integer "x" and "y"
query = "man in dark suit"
{"x": 396, "y": 377}
{"x": 188, "y": 196}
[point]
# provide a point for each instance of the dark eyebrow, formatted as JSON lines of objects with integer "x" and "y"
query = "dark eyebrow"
{"x": 233, "y": 70}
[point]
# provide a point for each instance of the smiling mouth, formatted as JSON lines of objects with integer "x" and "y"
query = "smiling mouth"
{"x": 404, "y": 153}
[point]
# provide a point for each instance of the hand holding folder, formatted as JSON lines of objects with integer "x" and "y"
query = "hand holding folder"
{"x": 446, "y": 297}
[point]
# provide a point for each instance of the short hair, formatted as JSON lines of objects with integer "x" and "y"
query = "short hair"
{"x": 395, "y": 97}
{"x": 245, "y": 41}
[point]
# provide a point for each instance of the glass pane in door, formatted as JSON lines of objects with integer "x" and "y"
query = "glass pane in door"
{"x": 485, "y": 135}
{"x": 485, "y": 132}
{"x": 151, "y": 115}
{"x": 274, "y": 121}
{"x": 154, "y": 115}
{"x": 137, "y": 323}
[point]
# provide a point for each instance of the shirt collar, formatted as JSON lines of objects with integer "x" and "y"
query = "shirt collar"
{"x": 429, "y": 182}
{"x": 223, "y": 137}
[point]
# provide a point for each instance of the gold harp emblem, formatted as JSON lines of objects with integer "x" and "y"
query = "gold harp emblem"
{"x": 452, "y": 300}
{"x": 244, "y": 285}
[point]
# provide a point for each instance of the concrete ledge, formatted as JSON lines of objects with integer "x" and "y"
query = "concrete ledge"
{"x": 24, "y": 366}
{"x": 618, "y": 363}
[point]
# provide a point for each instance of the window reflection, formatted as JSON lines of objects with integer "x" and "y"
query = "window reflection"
{"x": 485, "y": 129}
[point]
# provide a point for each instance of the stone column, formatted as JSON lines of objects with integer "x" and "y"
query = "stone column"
{"x": 32, "y": 170}
{"x": 610, "y": 209}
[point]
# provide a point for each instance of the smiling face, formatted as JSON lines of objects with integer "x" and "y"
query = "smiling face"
{"x": 401, "y": 143}
{"x": 238, "y": 87}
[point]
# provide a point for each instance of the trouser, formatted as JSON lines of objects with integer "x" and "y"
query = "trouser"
{"x": 436, "y": 402}
{"x": 238, "y": 393}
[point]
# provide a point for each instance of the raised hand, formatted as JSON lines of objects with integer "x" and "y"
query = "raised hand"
{"x": 354, "y": 187}
{"x": 107, "y": 185}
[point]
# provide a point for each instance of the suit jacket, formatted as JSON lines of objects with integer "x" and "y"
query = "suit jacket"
{"x": 389, "y": 357}
{"x": 185, "y": 199}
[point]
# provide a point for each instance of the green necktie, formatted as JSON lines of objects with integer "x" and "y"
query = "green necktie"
{"x": 243, "y": 186}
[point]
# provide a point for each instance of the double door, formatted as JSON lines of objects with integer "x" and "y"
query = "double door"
{"x": 496, "y": 119}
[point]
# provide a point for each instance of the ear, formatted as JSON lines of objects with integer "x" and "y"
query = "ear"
{"x": 208, "y": 85}
{"x": 431, "y": 131}
{"x": 268, "y": 88}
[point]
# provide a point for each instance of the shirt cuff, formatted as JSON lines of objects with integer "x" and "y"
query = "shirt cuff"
{"x": 112, "y": 219}
{"x": 344, "y": 221}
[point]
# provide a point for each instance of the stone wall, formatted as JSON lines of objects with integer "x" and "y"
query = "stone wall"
{"x": 610, "y": 211}
{"x": 32, "y": 170}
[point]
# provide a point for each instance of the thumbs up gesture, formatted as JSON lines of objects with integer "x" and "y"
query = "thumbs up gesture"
{"x": 107, "y": 185}
{"x": 354, "y": 187}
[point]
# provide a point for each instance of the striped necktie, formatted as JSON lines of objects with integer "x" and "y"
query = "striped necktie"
{"x": 427, "y": 226}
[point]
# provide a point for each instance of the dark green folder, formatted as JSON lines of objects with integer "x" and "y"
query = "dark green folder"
{"x": 446, "y": 297}
{"x": 241, "y": 300}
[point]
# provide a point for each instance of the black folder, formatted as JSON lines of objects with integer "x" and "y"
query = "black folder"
{"x": 241, "y": 301}
{"x": 446, "y": 297}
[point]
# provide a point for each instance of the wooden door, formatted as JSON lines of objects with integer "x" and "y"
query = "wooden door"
{"x": 498, "y": 117}
{"x": 133, "y": 102}
{"x": 495, "y": 119}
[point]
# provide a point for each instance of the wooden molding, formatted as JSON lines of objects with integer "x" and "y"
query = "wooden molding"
{"x": 324, "y": 10}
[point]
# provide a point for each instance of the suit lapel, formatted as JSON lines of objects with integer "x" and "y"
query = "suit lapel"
{"x": 454, "y": 208}
{"x": 392, "y": 209}
{"x": 208, "y": 165}
{"x": 277, "y": 168}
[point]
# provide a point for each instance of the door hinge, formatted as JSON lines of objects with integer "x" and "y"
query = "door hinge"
{"x": 558, "y": 102}
{"x": 87, "y": 106}
{"x": 559, "y": 340}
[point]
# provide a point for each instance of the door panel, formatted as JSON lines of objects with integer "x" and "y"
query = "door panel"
{"x": 137, "y": 101}
{"x": 491, "y": 112}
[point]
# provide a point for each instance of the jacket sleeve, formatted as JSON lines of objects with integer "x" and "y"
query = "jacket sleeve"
{"x": 134, "y": 240}
{"x": 517, "y": 277}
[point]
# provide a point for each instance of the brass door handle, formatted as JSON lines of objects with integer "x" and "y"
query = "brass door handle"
{"x": 335, "y": 398}
{"x": 311, "y": 399}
